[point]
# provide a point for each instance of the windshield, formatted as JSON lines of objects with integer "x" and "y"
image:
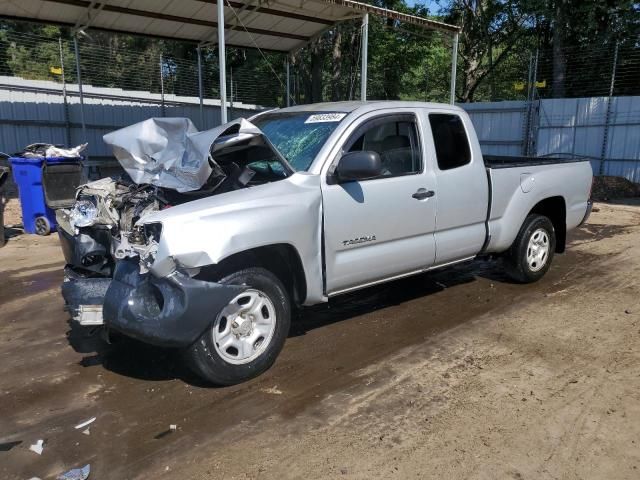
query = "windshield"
{"x": 298, "y": 136}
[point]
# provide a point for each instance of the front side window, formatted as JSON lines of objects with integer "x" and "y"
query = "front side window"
{"x": 395, "y": 140}
{"x": 450, "y": 140}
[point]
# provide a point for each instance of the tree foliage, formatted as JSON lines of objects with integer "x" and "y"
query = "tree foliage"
{"x": 572, "y": 40}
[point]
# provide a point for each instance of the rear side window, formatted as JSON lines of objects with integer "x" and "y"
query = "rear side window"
{"x": 450, "y": 139}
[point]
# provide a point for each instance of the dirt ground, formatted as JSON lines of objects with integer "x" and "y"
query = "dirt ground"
{"x": 453, "y": 374}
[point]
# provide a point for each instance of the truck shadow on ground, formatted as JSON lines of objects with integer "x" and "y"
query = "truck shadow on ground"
{"x": 371, "y": 299}
{"x": 134, "y": 359}
{"x": 128, "y": 357}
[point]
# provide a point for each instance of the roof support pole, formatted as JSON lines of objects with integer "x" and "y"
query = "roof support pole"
{"x": 79, "y": 77}
{"x": 454, "y": 68}
{"x": 222, "y": 60}
{"x": 162, "y": 106}
{"x": 288, "y": 93}
{"x": 365, "y": 48}
{"x": 200, "y": 89}
{"x": 67, "y": 124}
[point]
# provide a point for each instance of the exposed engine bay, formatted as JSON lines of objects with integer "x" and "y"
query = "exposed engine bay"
{"x": 101, "y": 226}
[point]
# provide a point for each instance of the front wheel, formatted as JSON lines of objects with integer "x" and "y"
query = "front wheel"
{"x": 247, "y": 335}
{"x": 532, "y": 251}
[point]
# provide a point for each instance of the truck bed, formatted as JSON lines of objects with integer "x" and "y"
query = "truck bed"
{"x": 518, "y": 183}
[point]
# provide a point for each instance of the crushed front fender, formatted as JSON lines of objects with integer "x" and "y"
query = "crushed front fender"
{"x": 171, "y": 312}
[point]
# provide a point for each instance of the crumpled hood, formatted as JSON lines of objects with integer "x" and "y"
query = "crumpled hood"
{"x": 171, "y": 152}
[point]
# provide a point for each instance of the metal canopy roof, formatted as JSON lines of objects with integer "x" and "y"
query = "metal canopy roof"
{"x": 281, "y": 25}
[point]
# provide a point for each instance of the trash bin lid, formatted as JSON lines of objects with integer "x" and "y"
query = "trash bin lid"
{"x": 26, "y": 161}
{"x": 51, "y": 160}
{"x": 40, "y": 160}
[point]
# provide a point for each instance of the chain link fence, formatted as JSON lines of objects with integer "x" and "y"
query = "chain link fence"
{"x": 106, "y": 64}
{"x": 403, "y": 64}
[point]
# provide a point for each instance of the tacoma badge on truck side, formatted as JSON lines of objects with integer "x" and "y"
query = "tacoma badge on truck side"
{"x": 355, "y": 241}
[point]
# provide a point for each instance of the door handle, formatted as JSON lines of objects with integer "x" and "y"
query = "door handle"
{"x": 423, "y": 194}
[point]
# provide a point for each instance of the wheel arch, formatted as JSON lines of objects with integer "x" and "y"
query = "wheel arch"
{"x": 555, "y": 209}
{"x": 281, "y": 259}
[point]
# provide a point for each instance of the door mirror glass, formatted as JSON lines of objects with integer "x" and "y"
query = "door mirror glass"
{"x": 359, "y": 165}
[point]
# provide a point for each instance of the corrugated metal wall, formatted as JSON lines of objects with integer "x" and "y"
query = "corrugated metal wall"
{"x": 608, "y": 133}
{"x": 501, "y": 126}
{"x": 605, "y": 130}
{"x": 34, "y": 111}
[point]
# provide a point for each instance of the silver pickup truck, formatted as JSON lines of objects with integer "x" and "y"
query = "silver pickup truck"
{"x": 218, "y": 235}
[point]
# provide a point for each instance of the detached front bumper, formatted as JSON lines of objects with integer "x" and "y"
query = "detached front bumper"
{"x": 171, "y": 312}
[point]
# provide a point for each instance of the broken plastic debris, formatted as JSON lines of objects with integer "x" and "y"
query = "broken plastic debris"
{"x": 86, "y": 431}
{"x": 272, "y": 390}
{"x": 76, "y": 473}
{"x": 85, "y": 423}
{"x": 173, "y": 427}
{"x": 37, "y": 447}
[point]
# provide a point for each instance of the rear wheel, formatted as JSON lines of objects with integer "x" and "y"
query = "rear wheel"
{"x": 247, "y": 335}
{"x": 531, "y": 254}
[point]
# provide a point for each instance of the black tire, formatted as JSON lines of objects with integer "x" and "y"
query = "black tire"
{"x": 205, "y": 360}
{"x": 517, "y": 264}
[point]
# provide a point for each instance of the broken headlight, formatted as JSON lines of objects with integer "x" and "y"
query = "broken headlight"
{"x": 83, "y": 213}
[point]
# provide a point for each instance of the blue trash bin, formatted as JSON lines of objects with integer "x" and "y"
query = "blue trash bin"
{"x": 37, "y": 217}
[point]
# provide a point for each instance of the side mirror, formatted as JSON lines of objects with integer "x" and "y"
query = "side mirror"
{"x": 359, "y": 165}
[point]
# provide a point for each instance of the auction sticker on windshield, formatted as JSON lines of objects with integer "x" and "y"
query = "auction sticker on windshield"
{"x": 325, "y": 117}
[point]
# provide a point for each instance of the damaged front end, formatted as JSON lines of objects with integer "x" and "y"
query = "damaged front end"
{"x": 171, "y": 311}
{"x": 113, "y": 274}
{"x": 95, "y": 233}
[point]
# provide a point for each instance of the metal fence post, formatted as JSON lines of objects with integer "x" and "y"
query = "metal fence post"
{"x": 426, "y": 82}
{"x": 231, "y": 92}
{"x": 200, "y": 89}
{"x": 526, "y": 131}
{"x": 454, "y": 68}
{"x": 67, "y": 124}
{"x": 162, "y": 110}
{"x": 607, "y": 118}
{"x": 79, "y": 77}
{"x": 532, "y": 119}
{"x": 288, "y": 87}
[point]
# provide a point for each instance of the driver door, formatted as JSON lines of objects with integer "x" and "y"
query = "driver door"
{"x": 382, "y": 227}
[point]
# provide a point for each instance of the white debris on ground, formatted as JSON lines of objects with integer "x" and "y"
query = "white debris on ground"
{"x": 37, "y": 447}
{"x": 272, "y": 390}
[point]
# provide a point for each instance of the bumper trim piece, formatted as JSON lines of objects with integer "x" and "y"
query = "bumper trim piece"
{"x": 171, "y": 312}
{"x": 83, "y": 296}
{"x": 587, "y": 214}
